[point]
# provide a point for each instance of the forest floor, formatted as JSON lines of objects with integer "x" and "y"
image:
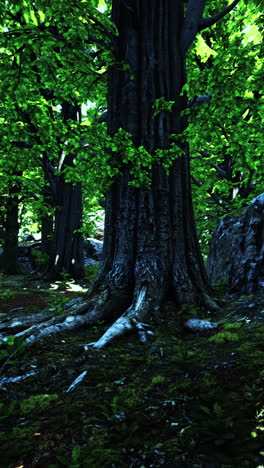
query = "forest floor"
{"x": 183, "y": 399}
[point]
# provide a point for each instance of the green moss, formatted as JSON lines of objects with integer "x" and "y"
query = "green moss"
{"x": 223, "y": 337}
{"x": 37, "y": 403}
{"x": 233, "y": 326}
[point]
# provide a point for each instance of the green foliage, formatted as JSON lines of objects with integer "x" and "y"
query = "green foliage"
{"x": 7, "y": 294}
{"x": 157, "y": 379}
{"x": 187, "y": 311}
{"x": 71, "y": 57}
{"x": 90, "y": 273}
{"x": 161, "y": 105}
{"x": 232, "y": 326}
{"x": 48, "y": 72}
{"x": 14, "y": 347}
{"x": 56, "y": 303}
{"x": 225, "y": 133}
{"x": 74, "y": 462}
{"x": 40, "y": 257}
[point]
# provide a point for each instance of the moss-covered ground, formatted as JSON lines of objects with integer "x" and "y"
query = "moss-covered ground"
{"x": 183, "y": 399}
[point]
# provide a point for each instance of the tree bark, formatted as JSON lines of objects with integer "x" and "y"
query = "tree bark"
{"x": 150, "y": 235}
{"x": 69, "y": 256}
{"x": 62, "y": 239}
{"x": 11, "y": 229}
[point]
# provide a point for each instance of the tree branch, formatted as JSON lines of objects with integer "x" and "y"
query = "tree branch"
{"x": 22, "y": 144}
{"x": 191, "y": 23}
{"x": 214, "y": 196}
{"x": 207, "y": 22}
{"x": 220, "y": 171}
{"x": 102, "y": 27}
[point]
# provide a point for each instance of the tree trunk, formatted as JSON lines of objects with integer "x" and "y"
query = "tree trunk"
{"x": 62, "y": 239}
{"x": 47, "y": 228}
{"x": 150, "y": 236}
{"x": 69, "y": 255}
{"x": 11, "y": 228}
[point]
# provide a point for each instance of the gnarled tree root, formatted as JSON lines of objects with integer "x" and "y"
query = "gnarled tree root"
{"x": 130, "y": 320}
{"x": 100, "y": 306}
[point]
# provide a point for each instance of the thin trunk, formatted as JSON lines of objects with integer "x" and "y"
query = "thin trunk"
{"x": 47, "y": 229}
{"x": 11, "y": 229}
{"x": 69, "y": 257}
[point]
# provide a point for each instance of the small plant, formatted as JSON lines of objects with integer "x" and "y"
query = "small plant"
{"x": 14, "y": 346}
{"x": 158, "y": 379}
{"x": 56, "y": 303}
{"x": 65, "y": 278}
{"x": 78, "y": 459}
{"x": 232, "y": 326}
{"x": 37, "y": 403}
{"x": 7, "y": 294}
{"x": 223, "y": 337}
{"x": 112, "y": 409}
{"x": 96, "y": 327}
{"x": 187, "y": 310}
{"x": 90, "y": 272}
{"x": 40, "y": 257}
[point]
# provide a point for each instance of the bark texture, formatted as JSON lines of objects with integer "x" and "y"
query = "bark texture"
{"x": 62, "y": 240}
{"x": 69, "y": 255}
{"x": 150, "y": 236}
{"x": 9, "y": 260}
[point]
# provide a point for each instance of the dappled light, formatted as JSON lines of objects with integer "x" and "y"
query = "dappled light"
{"x": 131, "y": 234}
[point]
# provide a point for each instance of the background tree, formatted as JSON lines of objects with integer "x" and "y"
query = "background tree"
{"x": 226, "y": 151}
{"x": 41, "y": 56}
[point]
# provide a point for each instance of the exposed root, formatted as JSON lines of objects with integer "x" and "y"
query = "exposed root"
{"x": 77, "y": 313}
{"x": 42, "y": 326}
{"x": 69, "y": 324}
{"x": 8, "y": 380}
{"x": 101, "y": 306}
{"x": 76, "y": 382}
{"x": 130, "y": 320}
{"x": 20, "y": 322}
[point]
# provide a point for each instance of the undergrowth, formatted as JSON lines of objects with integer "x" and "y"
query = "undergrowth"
{"x": 182, "y": 400}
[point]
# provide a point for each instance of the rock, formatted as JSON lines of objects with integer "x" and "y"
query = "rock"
{"x": 93, "y": 249}
{"x": 89, "y": 262}
{"x": 236, "y": 255}
{"x": 200, "y": 325}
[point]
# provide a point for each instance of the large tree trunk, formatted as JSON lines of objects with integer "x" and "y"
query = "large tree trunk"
{"x": 150, "y": 236}
{"x": 151, "y": 250}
